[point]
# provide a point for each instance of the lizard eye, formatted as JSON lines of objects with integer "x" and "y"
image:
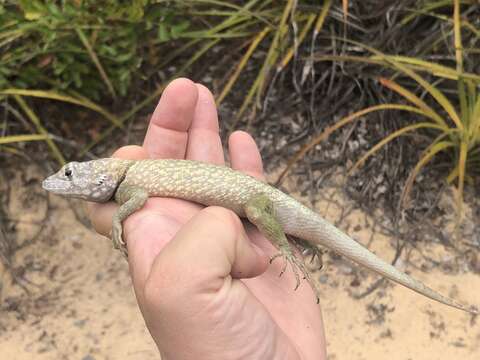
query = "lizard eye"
{"x": 68, "y": 172}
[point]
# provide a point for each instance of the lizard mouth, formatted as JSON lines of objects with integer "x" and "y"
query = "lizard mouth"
{"x": 55, "y": 185}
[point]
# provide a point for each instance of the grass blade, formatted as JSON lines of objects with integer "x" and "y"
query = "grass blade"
{"x": 36, "y": 121}
{"x": 243, "y": 62}
{"x": 329, "y": 130}
{"x": 462, "y": 164}
{"x": 52, "y": 95}
{"x": 435, "y": 69}
{"x": 474, "y": 134}
{"x": 289, "y": 55}
{"x": 432, "y": 150}
{"x": 23, "y": 138}
{"x": 459, "y": 60}
{"x": 239, "y": 10}
{"x": 154, "y": 96}
{"x": 321, "y": 17}
{"x": 389, "y": 138}
{"x": 273, "y": 53}
{"x": 410, "y": 96}
{"x": 428, "y": 9}
{"x": 96, "y": 62}
{"x": 434, "y": 92}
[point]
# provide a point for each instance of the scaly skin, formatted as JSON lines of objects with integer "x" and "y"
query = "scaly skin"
{"x": 275, "y": 213}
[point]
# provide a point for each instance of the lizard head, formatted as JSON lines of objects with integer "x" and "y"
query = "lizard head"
{"x": 90, "y": 180}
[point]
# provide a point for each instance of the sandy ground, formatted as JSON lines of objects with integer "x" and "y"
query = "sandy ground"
{"x": 79, "y": 304}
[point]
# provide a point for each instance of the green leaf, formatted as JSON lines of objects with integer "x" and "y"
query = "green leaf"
{"x": 163, "y": 34}
{"x": 179, "y": 28}
{"x": 54, "y": 10}
{"x": 32, "y": 9}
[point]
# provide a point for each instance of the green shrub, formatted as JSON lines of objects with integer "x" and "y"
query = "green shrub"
{"x": 93, "y": 47}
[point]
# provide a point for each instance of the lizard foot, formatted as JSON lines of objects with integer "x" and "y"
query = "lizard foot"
{"x": 296, "y": 265}
{"x": 310, "y": 250}
{"x": 117, "y": 239}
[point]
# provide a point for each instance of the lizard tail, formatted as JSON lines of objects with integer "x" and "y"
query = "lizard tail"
{"x": 318, "y": 231}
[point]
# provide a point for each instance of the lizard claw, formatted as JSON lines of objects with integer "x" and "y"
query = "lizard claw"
{"x": 309, "y": 250}
{"x": 285, "y": 264}
{"x": 296, "y": 265}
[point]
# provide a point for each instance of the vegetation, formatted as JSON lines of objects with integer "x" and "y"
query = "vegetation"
{"x": 114, "y": 58}
{"x": 83, "y": 51}
{"x": 451, "y": 130}
{"x": 90, "y": 47}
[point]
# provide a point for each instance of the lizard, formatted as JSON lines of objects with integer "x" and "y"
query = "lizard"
{"x": 277, "y": 215}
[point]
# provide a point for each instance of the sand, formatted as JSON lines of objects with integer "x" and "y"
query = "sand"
{"x": 73, "y": 298}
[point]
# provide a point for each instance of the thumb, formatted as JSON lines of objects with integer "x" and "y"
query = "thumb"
{"x": 193, "y": 308}
{"x": 208, "y": 248}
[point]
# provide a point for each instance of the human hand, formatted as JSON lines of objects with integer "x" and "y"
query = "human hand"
{"x": 203, "y": 283}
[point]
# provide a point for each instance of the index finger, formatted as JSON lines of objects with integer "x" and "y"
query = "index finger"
{"x": 167, "y": 133}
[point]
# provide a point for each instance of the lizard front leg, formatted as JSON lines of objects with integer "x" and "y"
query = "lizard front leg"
{"x": 261, "y": 212}
{"x": 130, "y": 198}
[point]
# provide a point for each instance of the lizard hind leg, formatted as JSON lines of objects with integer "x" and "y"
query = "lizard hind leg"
{"x": 261, "y": 212}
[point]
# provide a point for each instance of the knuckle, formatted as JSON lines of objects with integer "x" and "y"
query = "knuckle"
{"x": 224, "y": 217}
